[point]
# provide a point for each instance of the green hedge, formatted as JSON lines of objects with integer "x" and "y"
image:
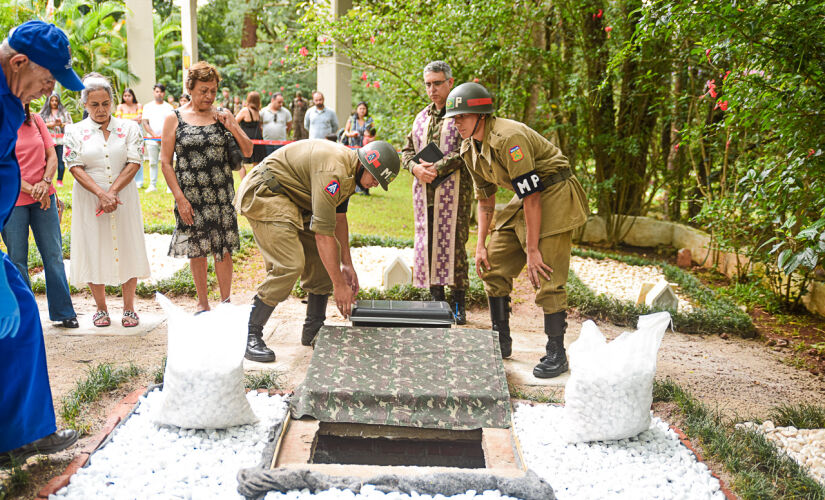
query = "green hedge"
{"x": 475, "y": 294}
{"x": 712, "y": 313}
{"x": 371, "y": 240}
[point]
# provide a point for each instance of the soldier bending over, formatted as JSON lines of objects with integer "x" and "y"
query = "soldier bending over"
{"x": 296, "y": 202}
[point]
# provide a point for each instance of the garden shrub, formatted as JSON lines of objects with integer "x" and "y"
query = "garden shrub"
{"x": 714, "y": 314}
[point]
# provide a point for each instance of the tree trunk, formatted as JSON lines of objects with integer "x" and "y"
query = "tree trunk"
{"x": 249, "y": 36}
{"x": 564, "y": 36}
{"x": 642, "y": 81}
{"x": 674, "y": 171}
{"x": 540, "y": 43}
{"x": 601, "y": 115}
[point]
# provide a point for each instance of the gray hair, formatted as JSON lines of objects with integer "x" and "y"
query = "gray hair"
{"x": 93, "y": 82}
{"x": 439, "y": 67}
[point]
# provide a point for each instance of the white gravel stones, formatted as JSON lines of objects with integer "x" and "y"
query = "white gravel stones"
{"x": 620, "y": 280}
{"x": 653, "y": 465}
{"x": 610, "y": 390}
{"x": 369, "y": 492}
{"x": 146, "y": 461}
{"x": 203, "y": 385}
{"x": 157, "y": 251}
{"x": 369, "y": 263}
{"x": 160, "y": 264}
{"x": 806, "y": 446}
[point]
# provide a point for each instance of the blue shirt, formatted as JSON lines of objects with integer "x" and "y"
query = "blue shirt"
{"x": 320, "y": 122}
{"x": 12, "y": 116}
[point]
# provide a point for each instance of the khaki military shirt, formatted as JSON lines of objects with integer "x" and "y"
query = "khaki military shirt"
{"x": 316, "y": 176}
{"x": 517, "y": 158}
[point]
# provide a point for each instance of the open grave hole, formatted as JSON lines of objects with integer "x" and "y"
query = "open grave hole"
{"x": 388, "y": 446}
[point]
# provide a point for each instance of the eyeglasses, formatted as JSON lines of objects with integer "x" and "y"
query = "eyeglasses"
{"x": 436, "y": 83}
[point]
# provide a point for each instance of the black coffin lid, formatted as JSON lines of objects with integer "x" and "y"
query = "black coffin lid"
{"x": 422, "y": 314}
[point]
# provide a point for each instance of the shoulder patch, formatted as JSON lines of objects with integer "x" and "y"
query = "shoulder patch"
{"x": 332, "y": 188}
{"x": 516, "y": 154}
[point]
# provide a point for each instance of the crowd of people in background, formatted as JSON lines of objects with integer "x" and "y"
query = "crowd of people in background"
{"x": 106, "y": 152}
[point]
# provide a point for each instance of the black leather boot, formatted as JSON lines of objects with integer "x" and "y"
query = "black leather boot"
{"x": 555, "y": 362}
{"x": 438, "y": 293}
{"x": 459, "y": 299}
{"x": 316, "y": 314}
{"x": 256, "y": 349}
{"x": 500, "y": 317}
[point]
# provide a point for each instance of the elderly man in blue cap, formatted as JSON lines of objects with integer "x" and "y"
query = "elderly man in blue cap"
{"x": 33, "y": 56}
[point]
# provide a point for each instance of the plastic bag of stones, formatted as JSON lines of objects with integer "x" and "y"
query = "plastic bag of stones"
{"x": 610, "y": 390}
{"x": 203, "y": 385}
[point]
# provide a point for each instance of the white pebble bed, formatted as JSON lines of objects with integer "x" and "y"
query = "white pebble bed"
{"x": 805, "y": 446}
{"x": 368, "y": 492}
{"x": 620, "y": 280}
{"x": 161, "y": 265}
{"x": 166, "y": 462}
{"x": 652, "y": 465}
{"x": 144, "y": 460}
{"x": 369, "y": 263}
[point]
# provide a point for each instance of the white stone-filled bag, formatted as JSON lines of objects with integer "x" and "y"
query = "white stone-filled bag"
{"x": 203, "y": 385}
{"x": 610, "y": 390}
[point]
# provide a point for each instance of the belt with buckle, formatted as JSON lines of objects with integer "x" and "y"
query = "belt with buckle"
{"x": 557, "y": 177}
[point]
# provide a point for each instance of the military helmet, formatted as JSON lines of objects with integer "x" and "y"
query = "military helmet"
{"x": 469, "y": 98}
{"x": 381, "y": 161}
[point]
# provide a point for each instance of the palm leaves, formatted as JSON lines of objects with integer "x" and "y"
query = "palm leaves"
{"x": 168, "y": 46}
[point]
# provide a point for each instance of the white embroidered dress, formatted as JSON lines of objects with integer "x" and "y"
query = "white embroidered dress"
{"x": 107, "y": 249}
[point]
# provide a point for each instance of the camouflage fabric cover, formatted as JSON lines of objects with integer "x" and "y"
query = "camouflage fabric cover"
{"x": 436, "y": 378}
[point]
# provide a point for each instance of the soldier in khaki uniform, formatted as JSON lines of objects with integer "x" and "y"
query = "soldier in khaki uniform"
{"x": 296, "y": 202}
{"x": 537, "y": 225}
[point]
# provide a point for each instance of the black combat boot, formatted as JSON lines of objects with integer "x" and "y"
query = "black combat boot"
{"x": 316, "y": 314}
{"x": 256, "y": 349}
{"x": 500, "y": 317}
{"x": 555, "y": 362}
{"x": 438, "y": 293}
{"x": 459, "y": 298}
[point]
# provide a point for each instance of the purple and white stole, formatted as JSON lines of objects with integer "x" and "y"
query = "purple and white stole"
{"x": 445, "y": 210}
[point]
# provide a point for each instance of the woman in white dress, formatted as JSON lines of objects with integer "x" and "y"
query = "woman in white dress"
{"x": 103, "y": 154}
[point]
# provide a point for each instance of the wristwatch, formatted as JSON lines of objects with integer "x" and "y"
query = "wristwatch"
{"x": 47, "y": 180}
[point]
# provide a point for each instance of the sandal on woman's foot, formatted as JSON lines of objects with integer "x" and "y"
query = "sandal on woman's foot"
{"x": 101, "y": 318}
{"x": 129, "y": 319}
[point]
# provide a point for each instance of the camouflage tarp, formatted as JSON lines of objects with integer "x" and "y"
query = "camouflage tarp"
{"x": 438, "y": 378}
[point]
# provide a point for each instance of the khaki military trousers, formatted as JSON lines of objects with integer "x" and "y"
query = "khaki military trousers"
{"x": 507, "y": 254}
{"x": 289, "y": 253}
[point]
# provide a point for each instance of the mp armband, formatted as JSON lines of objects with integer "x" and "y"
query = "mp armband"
{"x": 527, "y": 184}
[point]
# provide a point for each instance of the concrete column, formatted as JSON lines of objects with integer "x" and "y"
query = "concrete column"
{"x": 189, "y": 34}
{"x": 140, "y": 46}
{"x": 334, "y": 74}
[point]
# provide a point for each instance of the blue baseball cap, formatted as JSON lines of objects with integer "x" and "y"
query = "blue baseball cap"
{"x": 46, "y": 45}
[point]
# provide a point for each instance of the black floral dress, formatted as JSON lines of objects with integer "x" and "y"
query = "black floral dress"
{"x": 204, "y": 175}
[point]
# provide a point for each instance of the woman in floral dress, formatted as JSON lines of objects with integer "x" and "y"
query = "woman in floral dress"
{"x": 201, "y": 181}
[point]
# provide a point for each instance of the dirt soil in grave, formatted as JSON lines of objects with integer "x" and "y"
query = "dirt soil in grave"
{"x": 743, "y": 378}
